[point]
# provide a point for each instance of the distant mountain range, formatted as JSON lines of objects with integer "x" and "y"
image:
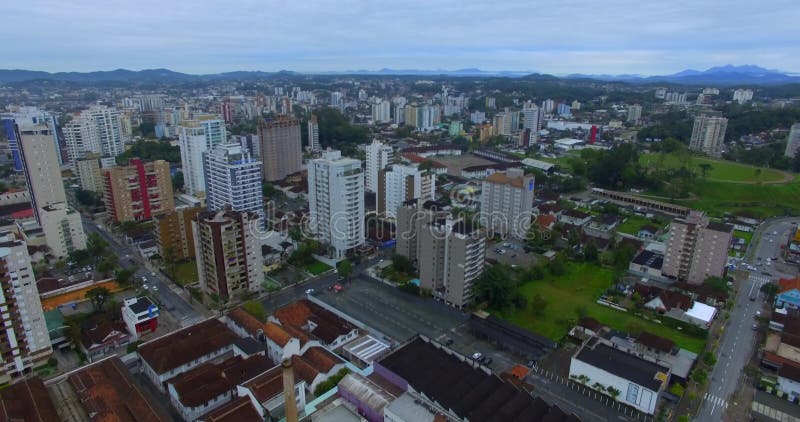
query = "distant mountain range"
{"x": 721, "y": 75}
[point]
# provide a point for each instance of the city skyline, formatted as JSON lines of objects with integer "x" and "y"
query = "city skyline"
{"x": 623, "y": 37}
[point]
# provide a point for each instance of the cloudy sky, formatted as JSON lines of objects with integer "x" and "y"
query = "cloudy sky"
{"x": 552, "y": 36}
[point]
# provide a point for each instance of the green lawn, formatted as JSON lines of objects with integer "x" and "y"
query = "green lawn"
{"x": 186, "y": 272}
{"x": 721, "y": 171}
{"x": 632, "y": 224}
{"x": 317, "y": 267}
{"x": 579, "y": 289}
{"x": 760, "y": 201}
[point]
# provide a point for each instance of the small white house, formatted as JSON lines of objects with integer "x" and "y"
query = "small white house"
{"x": 635, "y": 381}
{"x": 789, "y": 381}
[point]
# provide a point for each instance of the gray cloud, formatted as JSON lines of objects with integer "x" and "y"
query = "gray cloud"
{"x": 555, "y": 36}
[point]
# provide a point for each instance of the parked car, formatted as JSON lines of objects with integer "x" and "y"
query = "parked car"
{"x": 309, "y": 291}
{"x": 477, "y": 355}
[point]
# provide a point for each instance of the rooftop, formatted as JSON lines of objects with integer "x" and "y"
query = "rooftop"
{"x": 107, "y": 390}
{"x": 655, "y": 342}
{"x": 623, "y": 365}
{"x": 267, "y": 385}
{"x": 28, "y": 401}
{"x": 650, "y": 259}
{"x": 183, "y": 346}
{"x": 238, "y": 410}
{"x": 470, "y": 392}
{"x": 208, "y": 381}
{"x": 327, "y": 325}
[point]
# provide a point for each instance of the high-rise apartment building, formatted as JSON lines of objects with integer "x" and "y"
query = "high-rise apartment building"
{"x": 97, "y": 130}
{"x": 197, "y": 136}
{"x": 25, "y": 117}
{"x": 313, "y": 134}
{"x": 90, "y": 173}
{"x": 422, "y": 117}
{"x": 138, "y": 191}
{"x": 548, "y": 106}
{"x": 400, "y": 183}
{"x": 228, "y": 253}
{"x": 708, "y": 135}
{"x": 450, "y": 257}
{"x": 793, "y": 141}
{"x": 378, "y": 156}
{"x": 502, "y": 124}
{"x": 381, "y": 111}
{"x": 531, "y": 119}
{"x": 507, "y": 203}
{"x": 410, "y": 215}
{"x": 24, "y": 340}
{"x": 173, "y": 232}
{"x": 742, "y": 96}
{"x": 61, "y": 226}
{"x": 281, "y": 147}
{"x": 233, "y": 179}
{"x": 634, "y": 114}
{"x": 336, "y": 201}
{"x": 697, "y": 248}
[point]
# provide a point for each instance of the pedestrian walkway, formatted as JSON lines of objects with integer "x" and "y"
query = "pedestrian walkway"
{"x": 773, "y": 413}
{"x": 718, "y": 401}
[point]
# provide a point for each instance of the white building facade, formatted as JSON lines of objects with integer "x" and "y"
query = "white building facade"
{"x": 196, "y": 137}
{"x": 379, "y": 155}
{"x": 233, "y": 179}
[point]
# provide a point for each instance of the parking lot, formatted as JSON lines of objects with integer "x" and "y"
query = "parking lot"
{"x": 510, "y": 252}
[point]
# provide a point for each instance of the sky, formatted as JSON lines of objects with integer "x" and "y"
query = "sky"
{"x": 549, "y": 36}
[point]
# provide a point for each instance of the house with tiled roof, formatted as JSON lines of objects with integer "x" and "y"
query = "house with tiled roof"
{"x": 316, "y": 365}
{"x": 265, "y": 392}
{"x": 667, "y": 300}
{"x": 99, "y": 338}
{"x": 281, "y": 342}
{"x": 316, "y": 322}
{"x": 237, "y": 410}
{"x": 209, "y": 386}
{"x": 788, "y": 293}
{"x": 28, "y": 401}
{"x": 180, "y": 351}
{"x": 106, "y": 391}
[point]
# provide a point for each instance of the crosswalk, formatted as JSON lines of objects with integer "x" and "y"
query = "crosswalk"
{"x": 712, "y": 399}
{"x": 759, "y": 279}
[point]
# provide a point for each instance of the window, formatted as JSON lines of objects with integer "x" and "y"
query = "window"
{"x": 633, "y": 393}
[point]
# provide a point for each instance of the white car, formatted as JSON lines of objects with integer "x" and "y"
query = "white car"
{"x": 477, "y": 355}
{"x": 309, "y": 291}
{"x": 153, "y": 274}
{"x": 155, "y": 288}
{"x": 145, "y": 286}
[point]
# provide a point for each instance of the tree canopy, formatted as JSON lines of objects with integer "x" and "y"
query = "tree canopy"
{"x": 151, "y": 150}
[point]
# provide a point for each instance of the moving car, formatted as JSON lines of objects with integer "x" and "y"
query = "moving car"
{"x": 309, "y": 291}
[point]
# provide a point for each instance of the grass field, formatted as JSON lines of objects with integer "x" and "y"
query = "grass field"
{"x": 721, "y": 171}
{"x": 577, "y": 291}
{"x": 186, "y": 273}
{"x": 759, "y": 201}
{"x": 632, "y": 224}
{"x": 317, "y": 267}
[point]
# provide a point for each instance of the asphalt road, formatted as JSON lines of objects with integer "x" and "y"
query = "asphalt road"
{"x": 736, "y": 344}
{"x": 128, "y": 258}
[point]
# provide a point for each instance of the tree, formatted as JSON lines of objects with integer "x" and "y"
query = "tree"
{"x": 557, "y": 266}
{"x": 613, "y": 392}
{"x": 123, "y": 276}
{"x": 177, "y": 181}
{"x": 677, "y": 390}
{"x": 96, "y": 246}
{"x": 538, "y": 304}
{"x": 717, "y": 283}
{"x": 171, "y": 261}
{"x": 255, "y": 309}
{"x": 88, "y": 198}
{"x": 401, "y": 264}
{"x": 107, "y": 265}
{"x": 268, "y": 190}
{"x": 590, "y": 252}
{"x": 770, "y": 290}
{"x": 705, "y": 168}
{"x": 345, "y": 268}
{"x": 699, "y": 375}
{"x": 495, "y": 286}
{"x": 98, "y": 296}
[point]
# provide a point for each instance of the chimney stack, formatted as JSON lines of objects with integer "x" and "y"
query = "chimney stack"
{"x": 288, "y": 391}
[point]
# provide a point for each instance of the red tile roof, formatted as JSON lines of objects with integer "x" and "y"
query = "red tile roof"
{"x": 328, "y": 325}
{"x": 27, "y": 401}
{"x": 787, "y": 284}
{"x": 545, "y": 221}
{"x": 267, "y": 385}
{"x": 175, "y": 349}
{"x": 238, "y": 410}
{"x": 655, "y": 342}
{"x": 673, "y": 300}
{"x": 108, "y": 390}
{"x": 243, "y": 319}
{"x": 208, "y": 380}
{"x": 276, "y": 333}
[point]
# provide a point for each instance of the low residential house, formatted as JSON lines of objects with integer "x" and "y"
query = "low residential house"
{"x": 667, "y": 300}
{"x": 588, "y": 326}
{"x": 317, "y": 322}
{"x": 605, "y": 222}
{"x": 574, "y": 217}
{"x": 180, "y": 351}
{"x": 140, "y": 315}
{"x": 281, "y": 342}
{"x": 265, "y": 393}
{"x": 549, "y": 209}
{"x": 237, "y": 410}
{"x": 209, "y": 386}
{"x": 647, "y": 232}
{"x": 27, "y": 401}
{"x": 703, "y": 293}
{"x": 647, "y": 263}
{"x": 632, "y": 380}
{"x": 100, "y": 337}
{"x": 270, "y": 255}
{"x": 316, "y": 365}
{"x": 788, "y": 293}
{"x": 545, "y": 221}
{"x": 789, "y": 381}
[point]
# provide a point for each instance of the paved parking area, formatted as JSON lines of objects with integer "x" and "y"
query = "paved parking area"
{"x": 766, "y": 407}
{"x": 391, "y": 312}
{"x": 514, "y": 253}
